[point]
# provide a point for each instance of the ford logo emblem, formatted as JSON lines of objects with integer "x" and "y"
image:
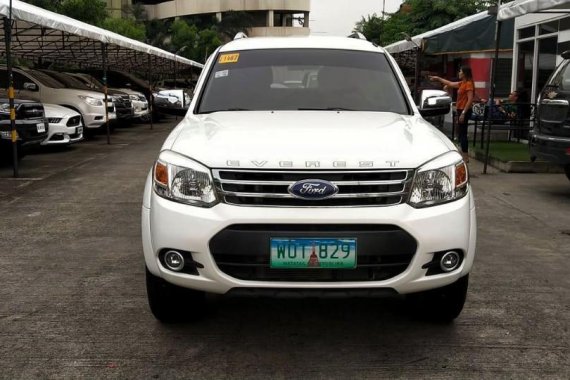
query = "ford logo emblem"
{"x": 313, "y": 189}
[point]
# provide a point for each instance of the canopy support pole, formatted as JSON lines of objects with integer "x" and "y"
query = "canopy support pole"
{"x": 151, "y": 96}
{"x": 498, "y": 25}
{"x": 104, "y": 54}
{"x": 13, "y": 131}
{"x": 417, "y": 75}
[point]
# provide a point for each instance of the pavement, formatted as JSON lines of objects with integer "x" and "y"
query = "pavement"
{"x": 73, "y": 300}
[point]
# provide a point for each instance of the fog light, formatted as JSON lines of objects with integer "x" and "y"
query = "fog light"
{"x": 174, "y": 261}
{"x": 449, "y": 261}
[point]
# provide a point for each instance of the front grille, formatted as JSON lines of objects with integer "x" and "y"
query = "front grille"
{"x": 31, "y": 111}
{"x": 54, "y": 120}
{"x": 242, "y": 251}
{"x": 74, "y": 121}
{"x": 122, "y": 102}
{"x": 356, "y": 188}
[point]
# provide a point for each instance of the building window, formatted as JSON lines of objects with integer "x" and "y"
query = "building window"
{"x": 526, "y": 32}
{"x": 525, "y": 63}
{"x": 548, "y": 27}
{"x": 546, "y": 60}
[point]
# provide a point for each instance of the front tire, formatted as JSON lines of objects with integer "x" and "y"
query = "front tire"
{"x": 440, "y": 305}
{"x": 170, "y": 303}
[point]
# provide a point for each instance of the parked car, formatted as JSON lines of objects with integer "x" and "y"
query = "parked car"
{"x": 65, "y": 126}
{"x": 122, "y": 79}
{"x": 172, "y": 102}
{"x": 138, "y": 100}
{"x": 33, "y": 84}
{"x": 121, "y": 106}
{"x": 338, "y": 187}
{"x": 31, "y": 126}
{"x": 550, "y": 139}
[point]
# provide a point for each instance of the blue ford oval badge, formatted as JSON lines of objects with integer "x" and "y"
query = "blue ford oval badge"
{"x": 313, "y": 189}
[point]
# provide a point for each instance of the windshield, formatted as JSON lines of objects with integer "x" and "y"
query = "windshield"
{"x": 302, "y": 79}
{"x": 67, "y": 80}
{"x": 89, "y": 81}
{"x": 46, "y": 80}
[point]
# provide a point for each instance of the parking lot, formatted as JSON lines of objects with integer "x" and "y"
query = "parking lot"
{"x": 73, "y": 301}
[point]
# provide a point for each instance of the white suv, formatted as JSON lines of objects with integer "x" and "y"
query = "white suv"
{"x": 303, "y": 167}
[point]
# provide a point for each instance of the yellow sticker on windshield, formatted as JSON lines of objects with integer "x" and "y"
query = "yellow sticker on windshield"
{"x": 229, "y": 58}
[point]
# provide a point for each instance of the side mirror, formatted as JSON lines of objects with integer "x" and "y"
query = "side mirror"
{"x": 30, "y": 86}
{"x": 434, "y": 103}
{"x": 554, "y": 111}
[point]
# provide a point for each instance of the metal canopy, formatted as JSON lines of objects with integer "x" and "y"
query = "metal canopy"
{"x": 400, "y": 46}
{"x": 521, "y": 7}
{"x": 41, "y": 34}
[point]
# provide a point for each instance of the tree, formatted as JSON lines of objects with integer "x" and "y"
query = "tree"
{"x": 126, "y": 27}
{"x": 416, "y": 17}
{"x": 158, "y": 33}
{"x": 93, "y": 12}
{"x": 50, "y": 5}
{"x": 136, "y": 11}
{"x": 234, "y": 22}
{"x": 199, "y": 43}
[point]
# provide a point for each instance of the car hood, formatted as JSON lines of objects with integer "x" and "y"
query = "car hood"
{"x": 308, "y": 139}
{"x": 78, "y": 92}
{"x": 55, "y": 111}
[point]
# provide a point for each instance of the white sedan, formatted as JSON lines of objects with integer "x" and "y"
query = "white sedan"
{"x": 65, "y": 125}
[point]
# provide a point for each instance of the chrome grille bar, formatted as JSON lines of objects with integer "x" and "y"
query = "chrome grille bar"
{"x": 269, "y": 187}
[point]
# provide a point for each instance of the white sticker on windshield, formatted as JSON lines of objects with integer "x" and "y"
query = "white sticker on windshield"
{"x": 221, "y": 74}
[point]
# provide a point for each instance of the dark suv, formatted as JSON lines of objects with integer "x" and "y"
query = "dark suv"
{"x": 31, "y": 125}
{"x": 550, "y": 138}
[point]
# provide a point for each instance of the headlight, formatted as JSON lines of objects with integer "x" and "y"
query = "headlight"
{"x": 183, "y": 180}
{"x": 142, "y": 98}
{"x": 441, "y": 180}
{"x": 133, "y": 97}
{"x": 91, "y": 101}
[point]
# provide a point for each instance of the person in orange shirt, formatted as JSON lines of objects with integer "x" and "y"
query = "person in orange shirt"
{"x": 465, "y": 93}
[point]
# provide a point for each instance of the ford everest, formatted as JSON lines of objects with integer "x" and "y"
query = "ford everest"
{"x": 303, "y": 167}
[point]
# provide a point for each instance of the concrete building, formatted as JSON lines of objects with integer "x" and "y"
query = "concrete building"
{"x": 116, "y": 8}
{"x": 271, "y": 17}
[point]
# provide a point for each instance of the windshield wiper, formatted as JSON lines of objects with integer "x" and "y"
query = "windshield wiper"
{"x": 326, "y": 109}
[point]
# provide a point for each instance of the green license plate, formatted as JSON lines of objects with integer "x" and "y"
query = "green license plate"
{"x": 309, "y": 253}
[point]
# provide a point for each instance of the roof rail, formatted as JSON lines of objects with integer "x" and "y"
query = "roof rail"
{"x": 357, "y": 35}
{"x": 240, "y": 35}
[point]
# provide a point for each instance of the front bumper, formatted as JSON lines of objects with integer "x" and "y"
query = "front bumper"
{"x": 28, "y": 134}
{"x": 61, "y": 134}
{"x": 140, "y": 108}
{"x": 167, "y": 224}
{"x": 550, "y": 148}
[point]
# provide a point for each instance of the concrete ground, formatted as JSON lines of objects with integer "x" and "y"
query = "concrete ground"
{"x": 73, "y": 302}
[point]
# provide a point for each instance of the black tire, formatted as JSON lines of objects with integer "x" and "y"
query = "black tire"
{"x": 170, "y": 303}
{"x": 567, "y": 171}
{"x": 440, "y": 305}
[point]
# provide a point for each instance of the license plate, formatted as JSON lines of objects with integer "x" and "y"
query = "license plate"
{"x": 41, "y": 127}
{"x": 309, "y": 253}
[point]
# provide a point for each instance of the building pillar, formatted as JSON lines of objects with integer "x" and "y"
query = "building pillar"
{"x": 306, "y": 20}
{"x": 270, "y": 18}
{"x": 219, "y": 16}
